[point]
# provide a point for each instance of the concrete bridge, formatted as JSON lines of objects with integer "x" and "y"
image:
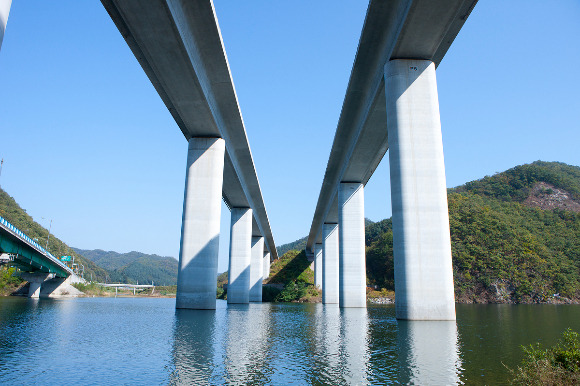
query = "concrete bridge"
{"x": 391, "y": 103}
{"x": 47, "y": 275}
{"x": 179, "y": 46}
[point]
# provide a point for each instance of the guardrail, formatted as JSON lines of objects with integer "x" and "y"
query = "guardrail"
{"x": 33, "y": 243}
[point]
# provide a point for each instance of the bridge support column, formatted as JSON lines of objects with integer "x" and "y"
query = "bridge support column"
{"x": 266, "y": 270}
{"x": 421, "y": 240}
{"x": 240, "y": 256}
{"x": 200, "y": 227}
{"x": 330, "y": 264}
{"x": 351, "y": 229}
{"x": 318, "y": 265}
{"x": 4, "y": 11}
{"x": 257, "y": 269}
{"x": 35, "y": 281}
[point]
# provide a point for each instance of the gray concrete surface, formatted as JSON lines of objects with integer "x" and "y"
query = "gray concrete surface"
{"x": 421, "y": 240}
{"x": 351, "y": 229}
{"x": 330, "y": 264}
{"x": 266, "y": 270}
{"x": 179, "y": 46}
{"x": 256, "y": 269}
{"x": 35, "y": 281}
{"x": 318, "y": 266}
{"x": 200, "y": 228}
{"x": 240, "y": 255}
{"x": 4, "y": 12}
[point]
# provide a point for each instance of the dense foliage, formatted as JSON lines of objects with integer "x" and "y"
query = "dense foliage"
{"x": 292, "y": 271}
{"x": 503, "y": 250}
{"x": 557, "y": 365}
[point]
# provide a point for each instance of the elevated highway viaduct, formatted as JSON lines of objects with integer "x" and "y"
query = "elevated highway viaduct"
{"x": 391, "y": 103}
{"x": 179, "y": 46}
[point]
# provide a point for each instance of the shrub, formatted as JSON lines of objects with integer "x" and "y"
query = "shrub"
{"x": 558, "y": 365}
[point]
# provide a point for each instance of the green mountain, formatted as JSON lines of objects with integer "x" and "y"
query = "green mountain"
{"x": 134, "y": 267}
{"x": 515, "y": 237}
{"x": 12, "y": 212}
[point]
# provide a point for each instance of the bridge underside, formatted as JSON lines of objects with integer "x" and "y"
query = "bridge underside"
{"x": 383, "y": 109}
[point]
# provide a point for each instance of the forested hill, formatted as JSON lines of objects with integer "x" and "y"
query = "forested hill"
{"x": 12, "y": 212}
{"x": 134, "y": 267}
{"x": 515, "y": 237}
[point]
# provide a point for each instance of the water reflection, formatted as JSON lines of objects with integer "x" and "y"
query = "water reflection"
{"x": 193, "y": 347}
{"x": 246, "y": 344}
{"x": 429, "y": 353}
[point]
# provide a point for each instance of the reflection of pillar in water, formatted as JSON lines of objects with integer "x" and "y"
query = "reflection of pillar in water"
{"x": 246, "y": 344}
{"x": 355, "y": 345}
{"x": 331, "y": 337}
{"x": 429, "y": 353}
{"x": 193, "y": 346}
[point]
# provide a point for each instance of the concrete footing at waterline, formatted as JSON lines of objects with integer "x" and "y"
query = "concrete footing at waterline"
{"x": 47, "y": 286}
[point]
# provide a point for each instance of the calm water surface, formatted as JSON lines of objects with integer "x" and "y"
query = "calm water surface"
{"x": 147, "y": 342}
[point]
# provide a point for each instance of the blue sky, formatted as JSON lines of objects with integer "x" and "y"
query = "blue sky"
{"x": 88, "y": 143}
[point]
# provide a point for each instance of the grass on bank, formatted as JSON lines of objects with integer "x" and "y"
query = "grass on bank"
{"x": 95, "y": 289}
{"x": 557, "y": 365}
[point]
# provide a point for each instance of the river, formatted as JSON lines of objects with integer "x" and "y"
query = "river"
{"x": 141, "y": 341}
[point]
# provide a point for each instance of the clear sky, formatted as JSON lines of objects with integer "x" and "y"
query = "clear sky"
{"x": 88, "y": 143}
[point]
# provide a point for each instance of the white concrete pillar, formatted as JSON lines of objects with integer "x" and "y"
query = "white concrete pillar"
{"x": 4, "y": 11}
{"x": 318, "y": 265}
{"x": 421, "y": 241}
{"x": 256, "y": 269}
{"x": 240, "y": 256}
{"x": 330, "y": 264}
{"x": 34, "y": 289}
{"x": 266, "y": 265}
{"x": 200, "y": 227}
{"x": 351, "y": 229}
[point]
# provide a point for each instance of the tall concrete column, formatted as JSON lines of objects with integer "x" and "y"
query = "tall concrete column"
{"x": 200, "y": 227}
{"x": 266, "y": 265}
{"x": 318, "y": 265}
{"x": 256, "y": 269}
{"x": 421, "y": 241}
{"x": 240, "y": 256}
{"x": 351, "y": 229}
{"x": 330, "y": 264}
{"x": 4, "y": 11}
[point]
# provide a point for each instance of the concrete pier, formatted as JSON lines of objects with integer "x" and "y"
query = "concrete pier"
{"x": 351, "y": 228}
{"x": 4, "y": 12}
{"x": 256, "y": 269}
{"x": 240, "y": 256}
{"x": 200, "y": 228}
{"x": 266, "y": 270}
{"x": 330, "y": 264}
{"x": 421, "y": 240}
{"x": 318, "y": 265}
{"x": 35, "y": 281}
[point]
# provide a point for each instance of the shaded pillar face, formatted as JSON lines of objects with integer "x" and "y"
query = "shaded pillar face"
{"x": 240, "y": 256}
{"x": 256, "y": 269}
{"x": 421, "y": 241}
{"x": 4, "y": 11}
{"x": 34, "y": 289}
{"x": 330, "y": 264}
{"x": 198, "y": 256}
{"x": 318, "y": 265}
{"x": 266, "y": 269}
{"x": 351, "y": 229}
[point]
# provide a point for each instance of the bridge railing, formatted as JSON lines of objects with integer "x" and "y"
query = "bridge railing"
{"x": 23, "y": 236}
